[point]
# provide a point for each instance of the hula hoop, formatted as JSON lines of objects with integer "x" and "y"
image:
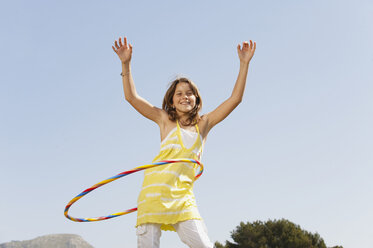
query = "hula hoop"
{"x": 125, "y": 173}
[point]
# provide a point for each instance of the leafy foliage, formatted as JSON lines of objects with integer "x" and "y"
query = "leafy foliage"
{"x": 272, "y": 234}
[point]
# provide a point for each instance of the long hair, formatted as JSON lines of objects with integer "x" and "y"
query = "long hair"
{"x": 168, "y": 102}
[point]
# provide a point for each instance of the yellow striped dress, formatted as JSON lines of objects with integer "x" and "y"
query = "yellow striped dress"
{"x": 167, "y": 195}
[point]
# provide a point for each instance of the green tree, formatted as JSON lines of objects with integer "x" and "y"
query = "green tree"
{"x": 272, "y": 234}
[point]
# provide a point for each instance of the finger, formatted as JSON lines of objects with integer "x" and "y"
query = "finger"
{"x": 239, "y": 47}
{"x": 129, "y": 44}
{"x": 254, "y": 46}
{"x": 120, "y": 41}
{"x": 116, "y": 45}
{"x": 245, "y": 44}
{"x": 114, "y": 49}
{"x": 251, "y": 43}
{"x": 125, "y": 41}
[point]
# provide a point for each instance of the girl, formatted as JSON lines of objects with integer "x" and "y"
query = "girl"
{"x": 166, "y": 200}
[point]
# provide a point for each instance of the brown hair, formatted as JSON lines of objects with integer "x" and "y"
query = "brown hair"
{"x": 168, "y": 102}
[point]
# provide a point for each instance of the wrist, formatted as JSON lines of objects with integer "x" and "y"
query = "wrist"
{"x": 123, "y": 74}
{"x": 244, "y": 63}
{"x": 126, "y": 68}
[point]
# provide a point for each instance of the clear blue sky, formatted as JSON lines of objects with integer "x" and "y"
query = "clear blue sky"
{"x": 298, "y": 147}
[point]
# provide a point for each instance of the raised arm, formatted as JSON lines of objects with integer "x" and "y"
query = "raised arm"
{"x": 124, "y": 52}
{"x": 245, "y": 55}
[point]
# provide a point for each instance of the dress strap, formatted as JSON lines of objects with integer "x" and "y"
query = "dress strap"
{"x": 197, "y": 129}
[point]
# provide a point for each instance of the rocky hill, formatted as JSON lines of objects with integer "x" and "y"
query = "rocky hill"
{"x": 50, "y": 241}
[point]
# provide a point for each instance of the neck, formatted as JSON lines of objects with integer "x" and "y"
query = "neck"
{"x": 184, "y": 122}
{"x": 183, "y": 118}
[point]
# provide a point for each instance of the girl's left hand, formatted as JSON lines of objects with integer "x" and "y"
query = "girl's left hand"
{"x": 247, "y": 51}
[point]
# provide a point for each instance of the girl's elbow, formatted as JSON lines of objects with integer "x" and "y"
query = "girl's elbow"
{"x": 237, "y": 100}
{"x": 128, "y": 99}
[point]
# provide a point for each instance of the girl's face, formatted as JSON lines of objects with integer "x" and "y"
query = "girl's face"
{"x": 184, "y": 99}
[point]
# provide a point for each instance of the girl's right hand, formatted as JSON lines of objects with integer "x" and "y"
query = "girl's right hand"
{"x": 123, "y": 51}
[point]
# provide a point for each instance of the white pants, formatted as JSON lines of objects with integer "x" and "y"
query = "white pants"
{"x": 192, "y": 232}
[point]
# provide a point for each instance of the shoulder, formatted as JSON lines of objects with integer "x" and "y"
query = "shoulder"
{"x": 163, "y": 114}
{"x": 166, "y": 125}
{"x": 203, "y": 125}
{"x": 164, "y": 118}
